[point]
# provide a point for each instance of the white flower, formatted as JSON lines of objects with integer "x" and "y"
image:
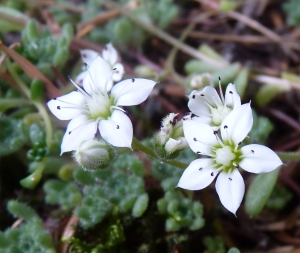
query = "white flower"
{"x": 96, "y": 107}
{"x": 226, "y": 156}
{"x": 110, "y": 55}
{"x": 210, "y": 108}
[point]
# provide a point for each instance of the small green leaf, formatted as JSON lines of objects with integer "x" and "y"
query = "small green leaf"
{"x": 20, "y": 210}
{"x": 241, "y": 81}
{"x": 32, "y": 180}
{"x": 37, "y": 90}
{"x": 36, "y": 134}
{"x": 140, "y": 205}
{"x": 260, "y": 191}
{"x": 12, "y": 135}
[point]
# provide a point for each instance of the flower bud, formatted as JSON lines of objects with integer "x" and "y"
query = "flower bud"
{"x": 200, "y": 81}
{"x": 94, "y": 155}
{"x": 170, "y": 140}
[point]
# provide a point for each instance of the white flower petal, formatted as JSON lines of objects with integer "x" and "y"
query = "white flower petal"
{"x": 197, "y": 104}
{"x": 88, "y": 56}
{"x": 68, "y": 106}
{"x": 230, "y": 188}
{"x": 198, "y": 175}
{"x": 117, "y": 130}
{"x": 259, "y": 159}
{"x": 232, "y": 98}
{"x": 199, "y": 136}
{"x": 80, "y": 77}
{"x": 237, "y": 124}
{"x": 109, "y": 54}
{"x": 118, "y": 69}
{"x": 79, "y": 129}
{"x": 210, "y": 95}
{"x": 203, "y": 119}
{"x": 99, "y": 74}
{"x": 132, "y": 91}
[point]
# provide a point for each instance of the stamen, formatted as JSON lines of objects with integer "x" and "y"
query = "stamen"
{"x": 133, "y": 80}
{"x": 79, "y": 88}
{"x": 230, "y": 178}
{"x": 200, "y": 169}
{"x": 212, "y": 174}
{"x": 118, "y": 127}
{"x": 218, "y": 139}
{"x": 221, "y": 92}
{"x": 198, "y": 152}
{"x": 193, "y": 97}
{"x": 113, "y": 107}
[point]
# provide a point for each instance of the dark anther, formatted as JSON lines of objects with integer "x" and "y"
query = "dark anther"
{"x": 215, "y": 132}
{"x": 193, "y": 96}
{"x": 252, "y": 151}
{"x": 237, "y": 166}
{"x": 230, "y": 178}
{"x": 219, "y": 78}
{"x": 58, "y": 107}
{"x": 115, "y": 69}
{"x": 195, "y": 139}
{"x": 198, "y": 152}
{"x": 54, "y": 98}
{"x": 202, "y": 95}
{"x": 70, "y": 132}
{"x": 133, "y": 80}
{"x": 212, "y": 174}
{"x": 201, "y": 169}
{"x": 225, "y": 127}
{"x": 239, "y": 143}
{"x": 85, "y": 64}
{"x": 118, "y": 127}
{"x": 230, "y": 92}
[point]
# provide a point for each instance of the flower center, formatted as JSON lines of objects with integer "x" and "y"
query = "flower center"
{"x": 99, "y": 106}
{"x": 224, "y": 156}
{"x": 219, "y": 114}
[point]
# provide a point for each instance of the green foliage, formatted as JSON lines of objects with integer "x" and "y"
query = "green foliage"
{"x": 44, "y": 49}
{"x": 260, "y": 191}
{"x": 214, "y": 244}
{"x": 29, "y": 237}
{"x": 65, "y": 194}
{"x": 180, "y": 212}
{"x": 122, "y": 187}
{"x": 10, "y": 25}
{"x": 261, "y": 129}
{"x": 37, "y": 138}
{"x": 121, "y": 31}
{"x": 20, "y": 210}
{"x": 293, "y": 10}
{"x": 279, "y": 198}
{"x": 13, "y": 135}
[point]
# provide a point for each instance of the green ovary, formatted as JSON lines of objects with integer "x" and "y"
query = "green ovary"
{"x": 219, "y": 114}
{"x": 224, "y": 156}
{"x": 99, "y": 106}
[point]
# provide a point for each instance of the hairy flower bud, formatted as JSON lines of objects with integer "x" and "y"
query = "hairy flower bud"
{"x": 94, "y": 155}
{"x": 170, "y": 139}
